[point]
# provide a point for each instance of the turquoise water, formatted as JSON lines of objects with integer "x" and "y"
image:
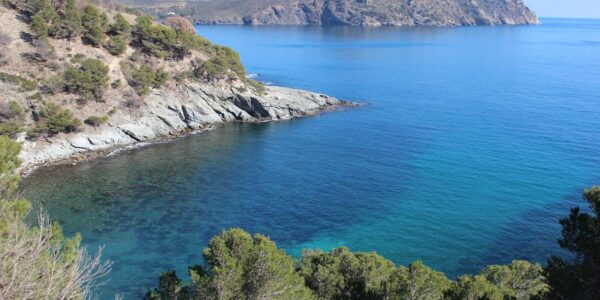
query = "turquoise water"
{"x": 471, "y": 144}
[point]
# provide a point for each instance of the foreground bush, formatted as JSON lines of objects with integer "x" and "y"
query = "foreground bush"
{"x": 579, "y": 277}
{"x": 238, "y": 266}
{"x": 38, "y": 262}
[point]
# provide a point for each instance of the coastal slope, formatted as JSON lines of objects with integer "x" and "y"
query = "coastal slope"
{"x": 345, "y": 12}
{"x": 77, "y": 81}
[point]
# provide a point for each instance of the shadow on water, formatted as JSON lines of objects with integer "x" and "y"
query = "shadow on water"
{"x": 533, "y": 237}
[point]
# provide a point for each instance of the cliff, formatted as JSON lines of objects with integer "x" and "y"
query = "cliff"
{"x": 347, "y": 12}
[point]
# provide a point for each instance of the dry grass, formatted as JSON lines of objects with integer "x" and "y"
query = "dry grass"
{"x": 33, "y": 266}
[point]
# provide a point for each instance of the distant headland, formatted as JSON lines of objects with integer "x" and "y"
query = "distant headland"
{"x": 407, "y": 13}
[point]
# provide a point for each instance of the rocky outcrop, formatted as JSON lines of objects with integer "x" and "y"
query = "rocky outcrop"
{"x": 357, "y": 12}
{"x": 187, "y": 108}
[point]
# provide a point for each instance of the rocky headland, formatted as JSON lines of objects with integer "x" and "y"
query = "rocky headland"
{"x": 345, "y": 12}
{"x": 187, "y": 109}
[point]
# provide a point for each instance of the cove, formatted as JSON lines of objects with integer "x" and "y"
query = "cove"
{"x": 471, "y": 143}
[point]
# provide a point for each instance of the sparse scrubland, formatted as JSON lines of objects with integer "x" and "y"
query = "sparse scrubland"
{"x": 68, "y": 61}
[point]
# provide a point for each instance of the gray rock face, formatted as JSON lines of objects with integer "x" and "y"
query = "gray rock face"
{"x": 187, "y": 108}
{"x": 358, "y": 12}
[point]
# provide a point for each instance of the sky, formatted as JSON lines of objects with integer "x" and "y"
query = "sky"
{"x": 565, "y": 8}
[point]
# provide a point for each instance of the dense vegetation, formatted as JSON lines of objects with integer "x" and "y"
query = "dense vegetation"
{"x": 239, "y": 266}
{"x": 88, "y": 80}
{"x": 38, "y": 262}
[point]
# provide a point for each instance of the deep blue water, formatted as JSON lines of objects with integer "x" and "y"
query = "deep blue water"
{"x": 471, "y": 144}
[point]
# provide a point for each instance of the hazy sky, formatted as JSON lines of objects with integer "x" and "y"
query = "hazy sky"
{"x": 566, "y": 8}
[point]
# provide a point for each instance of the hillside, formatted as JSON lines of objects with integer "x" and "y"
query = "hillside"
{"x": 76, "y": 79}
{"x": 344, "y": 12}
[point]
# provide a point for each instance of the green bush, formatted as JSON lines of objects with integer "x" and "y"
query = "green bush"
{"x": 25, "y": 84}
{"x": 14, "y": 110}
{"x": 9, "y": 162}
{"x": 89, "y": 80}
{"x": 69, "y": 25}
{"x": 94, "y": 23}
{"x": 224, "y": 63}
{"x": 96, "y": 120}
{"x": 120, "y": 26}
{"x": 11, "y": 128}
{"x": 117, "y": 45}
{"x": 54, "y": 119}
{"x": 116, "y": 84}
{"x": 337, "y": 274}
{"x": 54, "y": 84}
{"x": 578, "y": 276}
{"x": 239, "y": 266}
{"x": 39, "y": 26}
{"x": 144, "y": 78}
{"x": 13, "y": 116}
{"x": 165, "y": 42}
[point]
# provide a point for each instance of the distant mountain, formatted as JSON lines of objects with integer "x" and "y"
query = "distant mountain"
{"x": 344, "y": 12}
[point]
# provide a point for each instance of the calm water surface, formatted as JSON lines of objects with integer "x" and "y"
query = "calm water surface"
{"x": 472, "y": 142}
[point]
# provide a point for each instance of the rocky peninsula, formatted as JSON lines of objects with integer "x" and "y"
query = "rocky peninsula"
{"x": 166, "y": 114}
{"x": 79, "y": 80}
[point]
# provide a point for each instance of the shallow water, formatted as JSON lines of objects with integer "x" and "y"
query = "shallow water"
{"x": 472, "y": 143}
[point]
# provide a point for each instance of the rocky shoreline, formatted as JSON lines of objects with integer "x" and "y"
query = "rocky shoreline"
{"x": 190, "y": 108}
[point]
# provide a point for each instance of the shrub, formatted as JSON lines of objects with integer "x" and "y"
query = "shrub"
{"x": 94, "y": 24}
{"x": 54, "y": 85}
{"x": 341, "y": 273}
{"x": 10, "y": 128}
{"x": 238, "y": 266}
{"x": 117, "y": 45}
{"x": 9, "y": 162}
{"x": 25, "y": 84}
{"x": 96, "y": 120}
{"x": 54, "y": 119}
{"x": 38, "y": 262}
{"x": 144, "y": 78}
{"x": 39, "y": 26}
{"x": 157, "y": 40}
{"x": 11, "y": 109}
{"x": 116, "y": 84}
{"x": 578, "y": 276}
{"x": 89, "y": 80}
{"x": 70, "y": 23}
{"x": 120, "y": 26}
{"x": 43, "y": 52}
{"x": 180, "y": 24}
{"x": 224, "y": 63}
